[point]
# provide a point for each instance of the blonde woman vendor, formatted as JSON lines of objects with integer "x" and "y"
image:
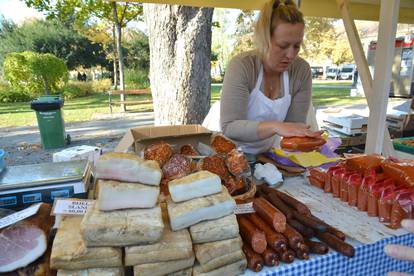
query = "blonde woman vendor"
{"x": 267, "y": 92}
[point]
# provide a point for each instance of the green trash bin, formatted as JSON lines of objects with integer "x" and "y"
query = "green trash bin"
{"x": 50, "y": 121}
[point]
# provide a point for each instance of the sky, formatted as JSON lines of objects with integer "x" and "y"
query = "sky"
{"x": 17, "y": 11}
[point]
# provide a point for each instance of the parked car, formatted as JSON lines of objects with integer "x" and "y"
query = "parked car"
{"x": 317, "y": 72}
{"x": 346, "y": 72}
{"x": 332, "y": 73}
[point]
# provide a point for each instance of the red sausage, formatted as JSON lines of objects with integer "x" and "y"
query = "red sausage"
{"x": 301, "y": 143}
{"x": 270, "y": 214}
{"x": 251, "y": 235}
{"x": 254, "y": 260}
{"x": 270, "y": 257}
{"x": 274, "y": 239}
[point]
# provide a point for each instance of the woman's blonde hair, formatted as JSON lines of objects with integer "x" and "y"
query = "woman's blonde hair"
{"x": 272, "y": 13}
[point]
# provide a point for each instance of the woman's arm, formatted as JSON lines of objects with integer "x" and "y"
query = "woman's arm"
{"x": 234, "y": 100}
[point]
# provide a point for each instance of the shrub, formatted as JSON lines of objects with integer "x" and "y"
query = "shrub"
{"x": 35, "y": 73}
{"x": 101, "y": 86}
{"x": 75, "y": 89}
{"x": 9, "y": 95}
{"x": 136, "y": 79}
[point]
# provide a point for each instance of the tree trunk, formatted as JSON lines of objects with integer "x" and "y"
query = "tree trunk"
{"x": 118, "y": 32}
{"x": 115, "y": 58}
{"x": 180, "y": 53}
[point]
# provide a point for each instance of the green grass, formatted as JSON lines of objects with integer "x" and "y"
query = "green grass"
{"x": 83, "y": 109}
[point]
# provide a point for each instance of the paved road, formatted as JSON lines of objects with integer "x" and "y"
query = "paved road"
{"x": 23, "y": 145}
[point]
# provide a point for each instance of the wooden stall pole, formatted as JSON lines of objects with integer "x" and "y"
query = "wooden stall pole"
{"x": 363, "y": 69}
{"x": 382, "y": 75}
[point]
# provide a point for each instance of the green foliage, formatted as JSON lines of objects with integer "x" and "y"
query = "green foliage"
{"x": 101, "y": 86}
{"x": 35, "y": 73}
{"x": 138, "y": 52}
{"x": 136, "y": 79}
{"x": 323, "y": 44}
{"x": 81, "y": 12}
{"x": 10, "y": 95}
{"x": 50, "y": 37}
{"x": 244, "y": 32}
{"x": 76, "y": 89}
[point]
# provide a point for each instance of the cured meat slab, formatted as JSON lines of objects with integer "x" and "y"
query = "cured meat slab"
{"x": 162, "y": 268}
{"x": 114, "y": 195}
{"x": 195, "y": 185}
{"x": 214, "y": 230}
{"x": 128, "y": 167}
{"x": 26, "y": 241}
{"x": 69, "y": 251}
{"x": 208, "y": 251}
{"x": 192, "y": 211}
{"x": 172, "y": 246}
{"x": 233, "y": 269}
{"x": 113, "y": 271}
{"x": 223, "y": 260}
{"x": 122, "y": 227}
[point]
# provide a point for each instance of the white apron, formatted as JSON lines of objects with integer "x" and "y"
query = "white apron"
{"x": 260, "y": 108}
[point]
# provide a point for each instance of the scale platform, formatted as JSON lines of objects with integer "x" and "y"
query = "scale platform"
{"x": 21, "y": 186}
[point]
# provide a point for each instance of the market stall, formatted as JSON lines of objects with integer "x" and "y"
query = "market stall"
{"x": 192, "y": 206}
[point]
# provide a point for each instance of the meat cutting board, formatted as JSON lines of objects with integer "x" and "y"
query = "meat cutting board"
{"x": 355, "y": 224}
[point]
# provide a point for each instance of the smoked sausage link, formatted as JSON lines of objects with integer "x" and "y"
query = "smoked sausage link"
{"x": 251, "y": 235}
{"x": 270, "y": 214}
{"x": 294, "y": 203}
{"x": 306, "y": 232}
{"x": 274, "y": 239}
{"x": 294, "y": 238}
{"x": 254, "y": 260}
{"x": 275, "y": 200}
{"x": 337, "y": 244}
{"x": 317, "y": 247}
{"x": 270, "y": 257}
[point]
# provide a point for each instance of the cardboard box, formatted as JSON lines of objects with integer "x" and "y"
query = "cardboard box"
{"x": 177, "y": 136}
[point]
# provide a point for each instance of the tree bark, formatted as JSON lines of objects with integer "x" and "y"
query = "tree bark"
{"x": 115, "y": 58}
{"x": 118, "y": 29}
{"x": 180, "y": 53}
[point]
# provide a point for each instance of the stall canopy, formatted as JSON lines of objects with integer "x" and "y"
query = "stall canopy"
{"x": 376, "y": 88}
{"x": 360, "y": 9}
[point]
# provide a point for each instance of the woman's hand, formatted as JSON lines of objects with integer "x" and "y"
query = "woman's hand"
{"x": 399, "y": 251}
{"x": 296, "y": 129}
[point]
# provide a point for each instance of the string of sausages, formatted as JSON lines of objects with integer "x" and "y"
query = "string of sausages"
{"x": 281, "y": 229}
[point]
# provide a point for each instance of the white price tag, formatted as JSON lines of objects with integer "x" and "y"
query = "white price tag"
{"x": 244, "y": 208}
{"x": 71, "y": 206}
{"x": 18, "y": 216}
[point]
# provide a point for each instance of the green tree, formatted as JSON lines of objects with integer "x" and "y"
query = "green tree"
{"x": 82, "y": 12}
{"x": 244, "y": 32}
{"x": 50, "y": 37}
{"x": 320, "y": 39}
{"x": 137, "y": 50}
{"x": 35, "y": 73}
